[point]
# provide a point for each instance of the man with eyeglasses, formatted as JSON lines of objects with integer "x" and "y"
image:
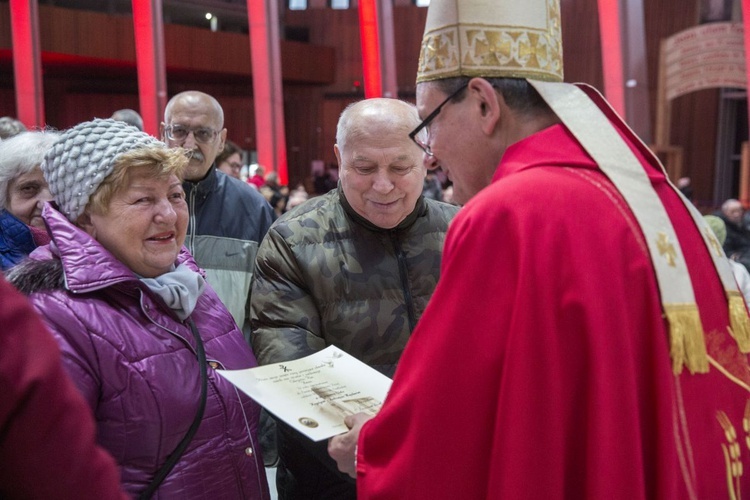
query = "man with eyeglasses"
{"x": 587, "y": 338}
{"x": 228, "y": 219}
{"x": 354, "y": 268}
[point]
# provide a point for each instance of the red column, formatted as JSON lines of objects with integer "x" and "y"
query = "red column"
{"x": 151, "y": 62}
{"x": 27, "y": 62}
{"x": 610, "y": 33}
{"x": 635, "y": 69}
{"x": 368, "y": 34}
{"x": 387, "y": 49}
{"x": 268, "y": 98}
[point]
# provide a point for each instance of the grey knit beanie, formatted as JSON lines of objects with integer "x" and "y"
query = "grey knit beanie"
{"x": 84, "y": 156}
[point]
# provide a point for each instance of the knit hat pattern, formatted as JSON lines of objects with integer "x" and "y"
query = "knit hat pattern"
{"x": 77, "y": 164}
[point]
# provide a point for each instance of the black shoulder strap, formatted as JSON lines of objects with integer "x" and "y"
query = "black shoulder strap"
{"x": 182, "y": 446}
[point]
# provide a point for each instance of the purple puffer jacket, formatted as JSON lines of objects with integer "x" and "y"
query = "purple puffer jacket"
{"x": 136, "y": 365}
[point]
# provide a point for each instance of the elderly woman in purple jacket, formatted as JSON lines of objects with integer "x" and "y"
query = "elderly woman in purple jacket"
{"x": 141, "y": 332}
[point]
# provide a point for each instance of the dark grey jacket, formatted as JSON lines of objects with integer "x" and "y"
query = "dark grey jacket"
{"x": 228, "y": 220}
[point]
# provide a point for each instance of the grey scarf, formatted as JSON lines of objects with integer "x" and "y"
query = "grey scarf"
{"x": 180, "y": 289}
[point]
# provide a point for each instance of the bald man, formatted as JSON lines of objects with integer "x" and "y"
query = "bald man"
{"x": 352, "y": 268}
{"x": 228, "y": 219}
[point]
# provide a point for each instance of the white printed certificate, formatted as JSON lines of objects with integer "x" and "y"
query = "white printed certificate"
{"x": 314, "y": 394}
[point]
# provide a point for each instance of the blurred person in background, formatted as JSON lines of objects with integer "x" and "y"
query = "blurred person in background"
{"x": 257, "y": 179}
{"x": 432, "y": 188}
{"x": 741, "y": 274}
{"x": 276, "y": 193}
{"x": 737, "y": 244}
{"x": 23, "y": 191}
{"x": 297, "y": 197}
{"x": 10, "y": 126}
{"x": 323, "y": 180}
{"x": 129, "y": 116}
{"x": 229, "y": 160}
{"x": 684, "y": 184}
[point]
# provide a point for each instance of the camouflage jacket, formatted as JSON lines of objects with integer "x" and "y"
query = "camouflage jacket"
{"x": 325, "y": 275}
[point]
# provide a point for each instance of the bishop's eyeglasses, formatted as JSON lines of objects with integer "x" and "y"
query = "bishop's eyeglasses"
{"x": 413, "y": 135}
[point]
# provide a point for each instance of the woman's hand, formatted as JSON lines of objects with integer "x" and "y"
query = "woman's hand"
{"x": 343, "y": 448}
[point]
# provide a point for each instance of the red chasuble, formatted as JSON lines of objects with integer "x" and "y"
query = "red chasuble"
{"x": 541, "y": 366}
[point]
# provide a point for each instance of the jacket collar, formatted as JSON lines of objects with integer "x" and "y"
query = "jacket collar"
{"x": 87, "y": 265}
{"x": 553, "y": 146}
{"x": 204, "y": 186}
{"x": 419, "y": 210}
{"x": 14, "y": 234}
{"x": 13, "y": 227}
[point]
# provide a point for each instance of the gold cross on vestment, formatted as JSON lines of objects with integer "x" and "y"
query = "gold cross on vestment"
{"x": 666, "y": 249}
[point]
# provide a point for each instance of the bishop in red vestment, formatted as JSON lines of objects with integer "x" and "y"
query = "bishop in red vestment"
{"x": 541, "y": 368}
{"x": 584, "y": 340}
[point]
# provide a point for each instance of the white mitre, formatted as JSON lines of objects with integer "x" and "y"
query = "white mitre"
{"x": 492, "y": 38}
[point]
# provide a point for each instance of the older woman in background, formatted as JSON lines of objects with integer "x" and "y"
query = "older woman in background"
{"x": 141, "y": 332}
{"x": 23, "y": 192}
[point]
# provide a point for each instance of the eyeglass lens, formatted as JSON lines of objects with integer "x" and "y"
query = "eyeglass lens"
{"x": 180, "y": 133}
{"x": 424, "y": 127}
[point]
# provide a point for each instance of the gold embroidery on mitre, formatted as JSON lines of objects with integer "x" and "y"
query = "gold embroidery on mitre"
{"x": 740, "y": 329}
{"x": 732, "y": 453}
{"x": 687, "y": 346}
{"x": 439, "y": 51}
{"x": 666, "y": 249}
{"x": 473, "y": 49}
{"x": 488, "y": 48}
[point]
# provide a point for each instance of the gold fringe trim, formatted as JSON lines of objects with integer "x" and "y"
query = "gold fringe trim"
{"x": 687, "y": 346}
{"x": 739, "y": 320}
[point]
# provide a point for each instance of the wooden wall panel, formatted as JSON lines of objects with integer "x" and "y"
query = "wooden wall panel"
{"x": 338, "y": 29}
{"x": 694, "y": 116}
{"x": 694, "y": 119}
{"x": 80, "y": 107}
{"x": 305, "y": 66}
{"x": 303, "y": 131}
{"x": 221, "y": 52}
{"x": 582, "y": 54}
{"x": 239, "y": 120}
{"x": 110, "y": 37}
{"x": 7, "y": 102}
{"x": 89, "y": 34}
{"x": 408, "y": 40}
{"x": 5, "y": 34}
